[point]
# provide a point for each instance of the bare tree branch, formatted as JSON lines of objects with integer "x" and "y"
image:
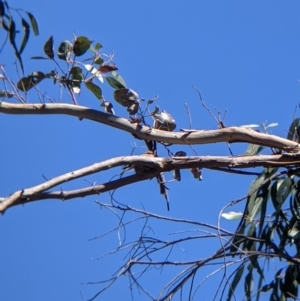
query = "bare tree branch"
{"x": 230, "y": 134}
{"x": 158, "y": 164}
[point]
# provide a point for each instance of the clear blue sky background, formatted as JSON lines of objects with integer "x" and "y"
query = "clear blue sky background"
{"x": 243, "y": 56}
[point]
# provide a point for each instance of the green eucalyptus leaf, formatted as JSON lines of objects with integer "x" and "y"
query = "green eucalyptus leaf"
{"x": 253, "y": 205}
{"x": 114, "y": 83}
{"x": 256, "y": 184}
{"x": 253, "y": 149}
{"x": 2, "y": 9}
{"x": 249, "y": 244}
{"x": 76, "y": 79}
{"x": 12, "y": 35}
{"x": 96, "y": 90}
{"x": 34, "y": 24}
{"x": 248, "y": 284}
{"x": 48, "y": 48}
{"x": 98, "y": 60}
{"x": 64, "y": 50}
{"x": 81, "y": 46}
{"x": 12, "y": 31}
{"x": 26, "y": 83}
{"x": 4, "y": 25}
{"x": 263, "y": 209}
{"x": 118, "y": 78}
{"x": 39, "y": 58}
{"x": 259, "y": 286}
{"x": 270, "y": 171}
{"x": 75, "y": 71}
{"x": 235, "y": 282}
{"x": 294, "y": 131}
{"x": 290, "y": 283}
{"x": 98, "y": 46}
{"x": 283, "y": 191}
{"x": 6, "y": 5}
{"x": 274, "y": 187}
{"x": 26, "y": 28}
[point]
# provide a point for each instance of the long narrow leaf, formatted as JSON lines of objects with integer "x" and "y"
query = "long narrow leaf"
{"x": 26, "y": 28}
{"x": 12, "y": 35}
{"x": 235, "y": 281}
{"x": 248, "y": 284}
{"x": 2, "y": 9}
{"x": 34, "y": 24}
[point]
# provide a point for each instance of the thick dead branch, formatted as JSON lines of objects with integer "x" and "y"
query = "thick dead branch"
{"x": 230, "y": 134}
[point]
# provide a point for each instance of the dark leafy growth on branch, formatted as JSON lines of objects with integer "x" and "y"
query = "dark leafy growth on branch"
{"x": 273, "y": 207}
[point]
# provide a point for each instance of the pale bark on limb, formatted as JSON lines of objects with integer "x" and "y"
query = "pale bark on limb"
{"x": 230, "y": 134}
{"x": 159, "y": 164}
{"x": 290, "y": 156}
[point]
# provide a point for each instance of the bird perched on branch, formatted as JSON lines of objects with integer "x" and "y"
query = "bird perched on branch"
{"x": 197, "y": 173}
{"x": 108, "y": 107}
{"x": 176, "y": 172}
{"x": 143, "y": 169}
{"x": 163, "y": 120}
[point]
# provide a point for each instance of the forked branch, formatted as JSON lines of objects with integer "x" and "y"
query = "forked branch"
{"x": 157, "y": 164}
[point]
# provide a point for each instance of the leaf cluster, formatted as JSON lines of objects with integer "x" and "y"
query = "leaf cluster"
{"x": 73, "y": 78}
{"x": 272, "y": 225}
{"x": 8, "y": 24}
{"x": 100, "y": 68}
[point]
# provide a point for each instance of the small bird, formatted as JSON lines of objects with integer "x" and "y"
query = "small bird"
{"x": 163, "y": 120}
{"x": 163, "y": 188}
{"x": 176, "y": 172}
{"x": 197, "y": 173}
{"x": 108, "y": 107}
{"x": 142, "y": 169}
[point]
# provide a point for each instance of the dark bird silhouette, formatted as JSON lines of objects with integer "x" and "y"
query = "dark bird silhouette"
{"x": 108, "y": 107}
{"x": 143, "y": 169}
{"x": 176, "y": 172}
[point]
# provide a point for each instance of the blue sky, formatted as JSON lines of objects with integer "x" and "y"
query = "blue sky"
{"x": 244, "y": 58}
